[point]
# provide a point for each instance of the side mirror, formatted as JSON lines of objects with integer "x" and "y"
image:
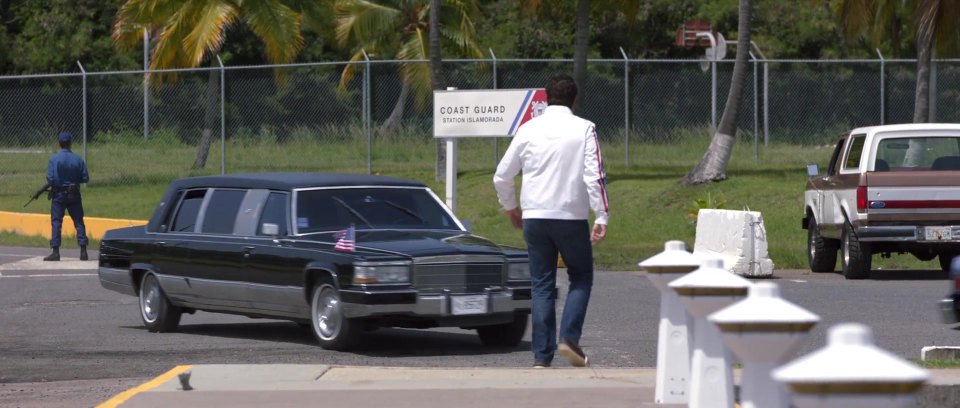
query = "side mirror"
{"x": 270, "y": 229}
{"x": 468, "y": 225}
{"x": 813, "y": 170}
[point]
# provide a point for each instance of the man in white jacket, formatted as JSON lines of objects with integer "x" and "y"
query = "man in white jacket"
{"x": 563, "y": 179}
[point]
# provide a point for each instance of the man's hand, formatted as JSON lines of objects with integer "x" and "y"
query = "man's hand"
{"x": 599, "y": 233}
{"x": 516, "y": 217}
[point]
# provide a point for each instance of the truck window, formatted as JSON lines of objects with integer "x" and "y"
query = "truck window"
{"x": 222, "y": 211}
{"x": 832, "y": 168}
{"x": 855, "y": 152}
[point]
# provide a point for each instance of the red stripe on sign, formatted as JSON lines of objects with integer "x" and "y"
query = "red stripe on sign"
{"x": 915, "y": 204}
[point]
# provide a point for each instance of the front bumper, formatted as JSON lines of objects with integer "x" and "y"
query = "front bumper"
{"x": 367, "y": 303}
{"x": 904, "y": 233}
{"x": 117, "y": 280}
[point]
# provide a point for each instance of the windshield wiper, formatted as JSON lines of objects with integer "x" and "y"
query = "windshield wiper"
{"x": 353, "y": 211}
{"x": 405, "y": 210}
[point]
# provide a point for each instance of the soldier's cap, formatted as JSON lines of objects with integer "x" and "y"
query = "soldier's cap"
{"x": 65, "y": 137}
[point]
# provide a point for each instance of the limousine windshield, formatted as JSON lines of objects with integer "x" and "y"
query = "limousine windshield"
{"x": 323, "y": 210}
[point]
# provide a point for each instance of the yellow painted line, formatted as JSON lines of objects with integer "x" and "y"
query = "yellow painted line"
{"x": 147, "y": 386}
{"x": 39, "y": 224}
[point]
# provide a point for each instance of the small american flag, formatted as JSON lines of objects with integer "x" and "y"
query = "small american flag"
{"x": 346, "y": 239}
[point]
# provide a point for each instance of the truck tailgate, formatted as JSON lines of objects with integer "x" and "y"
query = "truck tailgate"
{"x": 924, "y": 197}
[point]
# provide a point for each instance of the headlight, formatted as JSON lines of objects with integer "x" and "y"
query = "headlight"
{"x": 385, "y": 272}
{"x": 518, "y": 271}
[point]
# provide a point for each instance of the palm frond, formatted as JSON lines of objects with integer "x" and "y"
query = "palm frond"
{"x": 278, "y": 26}
{"x": 360, "y": 21}
{"x": 416, "y": 74}
{"x": 207, "y": 33}
{"x": 349, "y": 71}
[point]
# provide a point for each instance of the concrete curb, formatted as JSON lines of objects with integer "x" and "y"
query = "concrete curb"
{"x": 39, "y": 224}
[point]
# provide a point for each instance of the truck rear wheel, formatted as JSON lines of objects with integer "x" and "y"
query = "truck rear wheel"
{"x": 857, "y": 258}
{"x": 821, "y": 252}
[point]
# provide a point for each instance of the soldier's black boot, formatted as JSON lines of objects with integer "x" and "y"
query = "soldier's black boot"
{"x": 83, "y": 253}
{"x": 55, "y": 256}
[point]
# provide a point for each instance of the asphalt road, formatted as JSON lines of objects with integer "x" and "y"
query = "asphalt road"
{"x": 62, "y": 326}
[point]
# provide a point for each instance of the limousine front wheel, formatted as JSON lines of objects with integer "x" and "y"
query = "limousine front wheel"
{"x": 155, "y": 309}
{"x": 330, "y": 326}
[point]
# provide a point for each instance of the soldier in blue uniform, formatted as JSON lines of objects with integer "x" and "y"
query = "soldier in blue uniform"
{"x": 65, "y": 172}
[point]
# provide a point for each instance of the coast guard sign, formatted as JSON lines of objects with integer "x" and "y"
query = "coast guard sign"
{"x": 477, "y": 113}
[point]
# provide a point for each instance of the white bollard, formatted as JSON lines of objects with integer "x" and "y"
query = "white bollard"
{"x": 851, "y": 372}
{"x": 702, "y": 292}
{"x": 762, "y": 330}
{"x": 673, "y": 341}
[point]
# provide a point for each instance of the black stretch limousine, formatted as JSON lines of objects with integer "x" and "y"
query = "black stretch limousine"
{"x": 343, "y": 252}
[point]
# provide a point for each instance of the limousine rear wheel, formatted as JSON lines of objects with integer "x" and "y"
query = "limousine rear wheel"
{"x": 156, "y": 311}
{"x": 330, "y": 326}
{"x": 504, "y": 335}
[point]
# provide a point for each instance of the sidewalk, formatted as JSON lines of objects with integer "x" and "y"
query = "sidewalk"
{"x": 294, "y": 385}
{"x": 303, "y": 385}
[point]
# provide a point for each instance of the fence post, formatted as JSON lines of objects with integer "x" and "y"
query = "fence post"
{"x": 146, "y": 83}
{"x": 766, "y": 102}
{"x": 883, "y": 99}
{"x": 223, "y": 120}
{"x": 626, "y": 108}
{"x": 756, "y": 136}
{"x": 366, "y": 109}
{"x": 84, "y": 130}
{"x": 496, "y": 140}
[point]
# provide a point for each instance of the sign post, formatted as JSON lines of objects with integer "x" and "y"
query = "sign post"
{"x": 480, "y": 113}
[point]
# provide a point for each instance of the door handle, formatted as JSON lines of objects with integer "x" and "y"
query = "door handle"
{"x": 247, "y": 250}
{"x": 162, "y": 243}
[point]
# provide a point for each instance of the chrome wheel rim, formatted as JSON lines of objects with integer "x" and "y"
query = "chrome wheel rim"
{"x": 812, "y": 243}
{"x": 327, "y": 313}
{"x": 846, "y": 249}
{"x": 150, "y": 299}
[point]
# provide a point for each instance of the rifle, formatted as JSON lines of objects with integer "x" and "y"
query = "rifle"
{"x": 46, "y": 187}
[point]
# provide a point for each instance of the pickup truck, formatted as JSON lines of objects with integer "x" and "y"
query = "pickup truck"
{"x": 888, "y": 189}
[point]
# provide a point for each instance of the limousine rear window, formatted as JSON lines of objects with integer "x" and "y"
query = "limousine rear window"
{"x": 187, "y": 212}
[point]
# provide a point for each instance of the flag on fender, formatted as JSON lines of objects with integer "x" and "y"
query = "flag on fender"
{"x": 346, "y": 239}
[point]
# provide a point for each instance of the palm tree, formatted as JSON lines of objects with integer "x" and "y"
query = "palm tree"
{"x": 398, "y": 29}
{"x": 713, "y": 164}
{"x": 188, "y": 32}
{"x": 933, "y": 23}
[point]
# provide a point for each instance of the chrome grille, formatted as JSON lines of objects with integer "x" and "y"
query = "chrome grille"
{"x": 459, "y": 273}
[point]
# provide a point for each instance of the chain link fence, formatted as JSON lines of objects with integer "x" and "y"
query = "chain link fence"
{"x": 308, "y": 117}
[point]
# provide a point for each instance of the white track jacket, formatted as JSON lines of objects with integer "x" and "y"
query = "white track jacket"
{"x": 563, "y": 175}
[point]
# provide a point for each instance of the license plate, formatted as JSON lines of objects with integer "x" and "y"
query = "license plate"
{"x": 465, "y": 305}
{"x": 938, "y": 233}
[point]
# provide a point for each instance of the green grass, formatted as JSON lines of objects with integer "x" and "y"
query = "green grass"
{"x": 937, "y": 363}
{"x": 648, "y": 207}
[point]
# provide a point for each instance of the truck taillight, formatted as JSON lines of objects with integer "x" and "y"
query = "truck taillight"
{"x": 862, "y": 199}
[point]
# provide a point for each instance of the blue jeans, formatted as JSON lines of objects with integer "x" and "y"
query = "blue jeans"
{"x": 545, "y": 238}
{"x": 58, "y": 205}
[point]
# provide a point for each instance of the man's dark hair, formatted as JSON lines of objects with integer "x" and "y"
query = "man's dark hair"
{"x": 561, "y": 90}
{"x": 64, "y": 145}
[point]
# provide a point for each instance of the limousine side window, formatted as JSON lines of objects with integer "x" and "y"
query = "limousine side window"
{"x": 274, "y": 212}
{"x": 222, "y": 211}
{"x": 186, "y": 218}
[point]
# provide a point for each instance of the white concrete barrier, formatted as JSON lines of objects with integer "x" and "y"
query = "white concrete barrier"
{"x": 737, "y": 237}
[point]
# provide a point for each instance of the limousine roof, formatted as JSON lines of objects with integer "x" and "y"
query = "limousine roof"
{"x": 289, "y": 181}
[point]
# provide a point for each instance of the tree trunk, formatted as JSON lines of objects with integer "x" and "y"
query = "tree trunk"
{"x": 921, "y": 108}
{"x": 581, "y": 45}
{"x": 395, "y": 121}
{"x": 713, "y": 164}
{"x": 209, "y": 119}
{"x": 436, "y": 80}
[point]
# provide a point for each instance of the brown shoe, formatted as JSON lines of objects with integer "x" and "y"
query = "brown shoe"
{"x": 572, "y": 352}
